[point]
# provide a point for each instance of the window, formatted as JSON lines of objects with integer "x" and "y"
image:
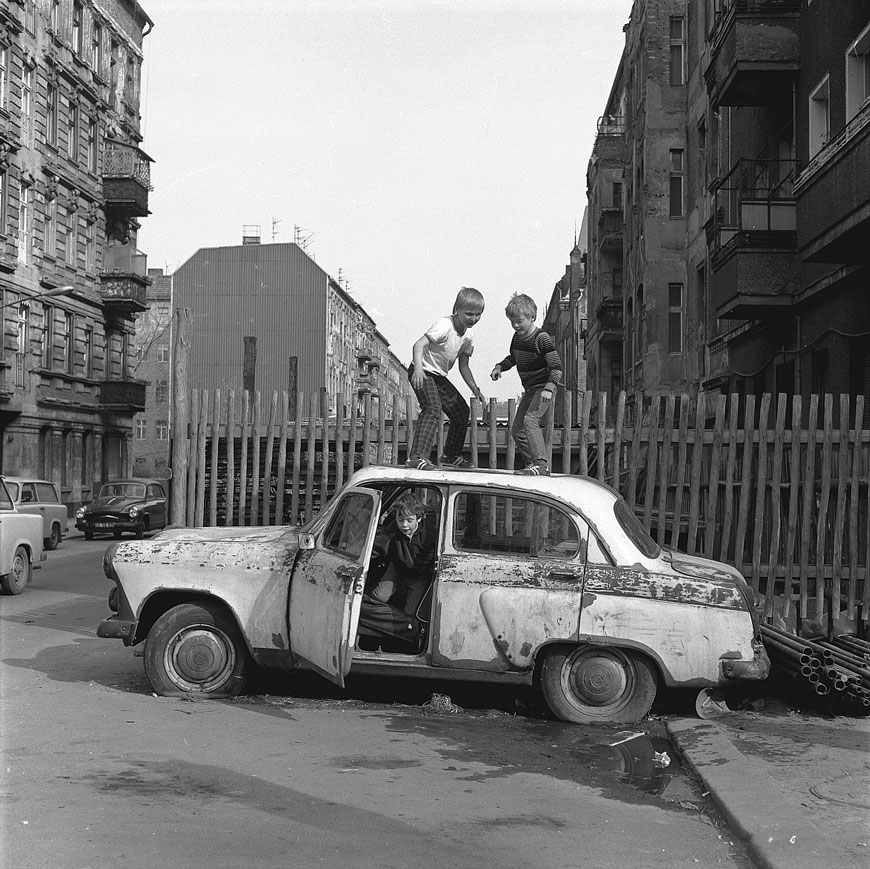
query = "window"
{"x": 820, "y": 117}
{"x": 676, "y": 182}
{"x": 675, "y": 318}
{"x": 161, "y": 392}
{"x": 2, "y": 203}
{"x": 858, "y": 74}
{"x": 4, "y": 74}
{"x": 515, "y": 526}
{"x": 90, "y": 246}
{"x": 162, "y": 430}
{"x": 141, "y": 429}
{"x": 30, "y": 16}
{"x": 69, "y": 334}
{"x": 88, "y": 350}
{"x": 97, "y": 47}
{"x": 130, "y": 80}
{"x": 163, "y": 353}
{"x": 77, "y": 30}
{"x": 50, "y": 240}
{"x": 47, "y": 336}
{"x": 162, "y": 311}
{"x": 349, "y": 527}
{"x": 93, "y": 145}
{"x": 72, "y": 136}
{"x": 51, "y": 114}
{"x": 24, "y": 224}
{"x": 54, "y": 16}
{"x": 27, "y": 103}
{"x": 617, "y": 194}
{"x": 72, "y": 237}
{"x": 677, "y": 50}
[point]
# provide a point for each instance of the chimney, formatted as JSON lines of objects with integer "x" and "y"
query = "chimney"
{"x": 251, "y": 233}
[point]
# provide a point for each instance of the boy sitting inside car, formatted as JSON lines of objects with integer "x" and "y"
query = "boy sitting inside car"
{"x": 389, "y": 609}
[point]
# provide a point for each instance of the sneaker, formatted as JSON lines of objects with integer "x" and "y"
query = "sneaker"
{"x": 534, "y": 471}
{"x": 420, "y": 464}
{"x": 458, "y": 462}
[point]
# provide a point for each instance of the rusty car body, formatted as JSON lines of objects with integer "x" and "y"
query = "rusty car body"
{"x": 546, "y": 581}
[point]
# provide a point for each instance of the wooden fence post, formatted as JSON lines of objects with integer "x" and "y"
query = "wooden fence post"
{"x": 180, "y": 416}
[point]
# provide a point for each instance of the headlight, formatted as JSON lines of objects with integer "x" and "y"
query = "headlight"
{"x": 80, "y": 513}
{"x": 134, "y": 512}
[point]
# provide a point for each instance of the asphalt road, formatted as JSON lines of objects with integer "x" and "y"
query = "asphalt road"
{"x": 99, "y": 772}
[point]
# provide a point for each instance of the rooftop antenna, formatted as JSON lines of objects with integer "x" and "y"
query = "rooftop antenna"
{"x": 302, "y": 237}
{"x": 274, "y": 229}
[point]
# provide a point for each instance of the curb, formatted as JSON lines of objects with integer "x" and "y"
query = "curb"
{"x": 773, "y": 827}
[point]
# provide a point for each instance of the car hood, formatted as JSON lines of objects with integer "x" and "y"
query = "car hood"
{"x": 114, "y": 504}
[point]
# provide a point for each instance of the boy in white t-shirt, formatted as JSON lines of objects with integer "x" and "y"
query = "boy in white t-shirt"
{"x": 446, "y": 340}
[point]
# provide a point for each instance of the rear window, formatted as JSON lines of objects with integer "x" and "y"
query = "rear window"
{"x": 633, "y": 527}
{"x": 46, "y": 493}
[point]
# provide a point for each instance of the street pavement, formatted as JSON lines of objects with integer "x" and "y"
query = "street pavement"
{"x": 793, "y": 783}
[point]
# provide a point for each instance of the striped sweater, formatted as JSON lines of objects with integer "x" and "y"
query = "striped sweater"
{"x": 536, "y": 359}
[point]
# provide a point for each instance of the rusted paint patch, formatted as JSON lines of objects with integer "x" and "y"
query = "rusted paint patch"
{"x": 278, "y": 641}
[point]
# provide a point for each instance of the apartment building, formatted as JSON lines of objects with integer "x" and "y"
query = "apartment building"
{"x": 74, "y": 185}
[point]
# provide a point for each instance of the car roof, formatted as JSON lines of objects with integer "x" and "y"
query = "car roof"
{"x": 573, "y": 488}
{"x": 131, "y": 480}
{"x": 16, "y": 479}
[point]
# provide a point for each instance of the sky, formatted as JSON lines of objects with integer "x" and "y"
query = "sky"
{"x": 418, "y": 145}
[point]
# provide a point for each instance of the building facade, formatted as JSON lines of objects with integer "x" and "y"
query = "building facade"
{"x": 268, "y": 318}
{"x": 73, "y": 186}
{"x": 741, "y": 131}
{"x": 152, "y": 344}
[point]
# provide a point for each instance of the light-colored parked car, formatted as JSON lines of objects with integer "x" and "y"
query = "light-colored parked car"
{"x": 20, "y": 544}
{"x": 41, "y": 498}
{"x": 546, "y": 581}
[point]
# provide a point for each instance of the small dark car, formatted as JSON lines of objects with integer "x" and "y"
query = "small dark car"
{"x": 137, "y": 506}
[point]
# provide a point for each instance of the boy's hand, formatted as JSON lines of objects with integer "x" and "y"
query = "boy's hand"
{"x": 479, "y": 396}
{"x": 546, "y": 395}
{"x": 418, "y": 378}
{"x": 496, "y": 372}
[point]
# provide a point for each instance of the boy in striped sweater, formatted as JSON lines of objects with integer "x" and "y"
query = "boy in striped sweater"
{"x": 540, "y": 369}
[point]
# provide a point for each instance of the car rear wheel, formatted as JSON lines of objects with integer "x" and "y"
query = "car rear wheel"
{"x": 16, "y": 580}
{"x": 589, "y": 684}
{"x": 51, "y": 543}
{"x": 196, "y": 648}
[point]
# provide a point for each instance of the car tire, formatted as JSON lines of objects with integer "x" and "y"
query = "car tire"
{"x": 89, "y": 535}
{"x": 53, "y": 540}
{"x": 142, "y": 529}
{"x": 196, "y": 648}
{"x": 19, "y": 575}
{"x": 591, "y": 684}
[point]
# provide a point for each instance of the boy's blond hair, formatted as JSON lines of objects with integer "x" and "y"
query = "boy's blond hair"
{"x": 466, "y": 298}
{"x": 521, "y": 305}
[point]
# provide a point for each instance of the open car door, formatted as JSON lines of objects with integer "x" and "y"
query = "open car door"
{"x": 327, "y": 586}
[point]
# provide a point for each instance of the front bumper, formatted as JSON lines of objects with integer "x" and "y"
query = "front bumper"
{"x": 107, "y": 526}
{"x": 116, "y": 628}
{"x": 754, "y": 670}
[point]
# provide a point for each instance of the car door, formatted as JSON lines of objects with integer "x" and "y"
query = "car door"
{"x": 156, "y": 505}
{"x": 29, "y": 503}
{"x": 327, "y": 585}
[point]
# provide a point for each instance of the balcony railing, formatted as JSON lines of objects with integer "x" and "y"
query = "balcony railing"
{"x": 754, "y": 198}
{"x": 611, "y": 125}
{"x": 123, "y": 396}
{"x": 124, "y": 260}
{"x": 124, "y": 293}
{"x": 610, "y": 315}
{"x": 126, "y": 178}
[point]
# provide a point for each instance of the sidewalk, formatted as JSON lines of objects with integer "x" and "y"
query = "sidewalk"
{"x": 793, "y": 783}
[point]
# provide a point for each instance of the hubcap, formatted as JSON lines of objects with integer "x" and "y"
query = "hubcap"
{"x": 200, "y": 658}
{"x": 598, "y": 679}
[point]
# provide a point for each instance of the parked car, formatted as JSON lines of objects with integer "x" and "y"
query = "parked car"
{"x": 546, "y": 581}
{"x": 41, "y": 498}
{"x": 20, "y": 544}
{"x": 137, "y": 506}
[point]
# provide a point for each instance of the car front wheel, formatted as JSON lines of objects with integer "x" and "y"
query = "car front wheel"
{"x": 196, "y": 648}
{"x": 16, "y": 580}
{"x": 52, "y": 542}
{"x": 590, "y": 684}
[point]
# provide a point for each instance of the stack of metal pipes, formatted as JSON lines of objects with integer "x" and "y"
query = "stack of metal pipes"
{"x": 839, "y": 667}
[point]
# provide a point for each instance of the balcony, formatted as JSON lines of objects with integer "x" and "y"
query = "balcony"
{"x": 610, "y": 230}
{"x": 755, "y": 52}
{"x": 610, "y": 320}
{"x": 126, "y": 179}
{"x": 751, "y": 236}
{"x": 122, "y": 396}
{"x": 124, "y": 279}
{"x": 833, "y": 197}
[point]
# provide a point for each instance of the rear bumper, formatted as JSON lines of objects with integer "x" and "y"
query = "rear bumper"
{"x": 754, "y": 670}
{"x": 115, "y": 628}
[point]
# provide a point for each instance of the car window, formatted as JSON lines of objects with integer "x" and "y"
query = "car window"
{"x": 46, "y": 493}
{"x": 349, "y": 526}
{"x": 5, "y": 499}
{"x": 123, "y": 490}
{"x": 633, "y": 527}
{"x": 155, "y": 491}
{"x": 28, "y": 493}
{"x": 13, "y": 490}
{"x": 510, "y": 525}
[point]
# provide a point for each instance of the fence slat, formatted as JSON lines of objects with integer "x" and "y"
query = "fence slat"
{"x": 665, "y": 471}
{"x": 297, "y": 458}
{"x": 339, "y": 442}
{"x": 617, "y": 440}
{"x": 854, "y": 501}
{"x": 775, "y": 493}
{"x": 282, "y": 458}
{"x": 243, "y": 461}
{"x": 808, "y": 505}
{"x": 492, "y": 422}
{"x": 745, "y": 482}
{"x": 396, "y": 407}
{"x": 840, "y": 521}
{"x": 367, "y": 427}
{"x": 199, "y": 510}
{"x": 824, "y": 497}
{"x": 231, "y": 459}
{"x": 730, "y": 467}
{"x": 511, "y": 455}
{"x": 190, "y": 518}
{"x": 652, "y": 460}
{"x": 760, "y": 481}
{"x": 472, "y": 429}
{"x": 215, "y": 449}
{"x": 584, "y": 431}
{"x": 313, "y": 410}
{"x": 634, "y": 460}
{"x": 255, "y": 458}
{"x": 567, "y": 430}
{"x": 351, "y": 436}
{"x": 793, "y": 492}
{"x": 382, "y": 432}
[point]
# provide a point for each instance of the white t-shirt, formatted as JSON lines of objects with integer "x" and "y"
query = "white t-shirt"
{"x": 445, "y": 345}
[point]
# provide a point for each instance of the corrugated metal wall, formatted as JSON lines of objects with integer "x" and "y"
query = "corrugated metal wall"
{"x": 274, "y": 292}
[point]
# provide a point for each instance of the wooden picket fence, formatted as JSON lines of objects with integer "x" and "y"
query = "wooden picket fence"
{"x": 772, "y": 484}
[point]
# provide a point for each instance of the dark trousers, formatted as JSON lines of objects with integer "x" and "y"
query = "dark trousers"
{"x": 438, "y": 397}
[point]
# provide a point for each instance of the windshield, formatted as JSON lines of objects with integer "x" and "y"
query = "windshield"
{"x": 633, "y": 527}
{"x": 123, "y": 490}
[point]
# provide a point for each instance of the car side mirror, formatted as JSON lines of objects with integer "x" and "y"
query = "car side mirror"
{"x": 306, "y": 541}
